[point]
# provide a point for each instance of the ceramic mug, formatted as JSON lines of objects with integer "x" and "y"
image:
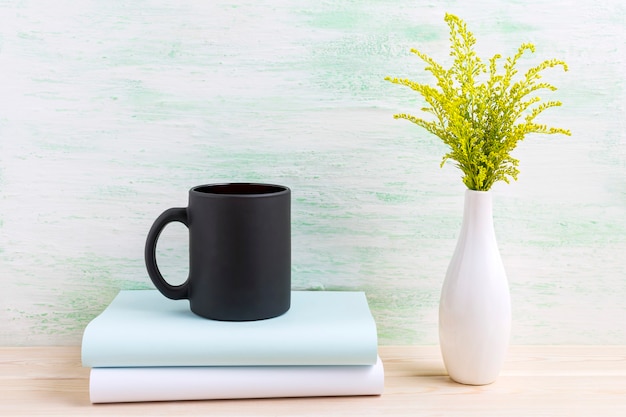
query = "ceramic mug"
{"x": 239, "y": 251}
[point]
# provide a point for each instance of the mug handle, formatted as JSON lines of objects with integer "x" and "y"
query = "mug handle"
{"x": 175, "y": 292}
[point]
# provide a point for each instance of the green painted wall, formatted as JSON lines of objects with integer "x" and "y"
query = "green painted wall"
{"x": 111, "y": 111}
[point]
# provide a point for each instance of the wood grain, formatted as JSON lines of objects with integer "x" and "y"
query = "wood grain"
{"x": 535, "y": 381}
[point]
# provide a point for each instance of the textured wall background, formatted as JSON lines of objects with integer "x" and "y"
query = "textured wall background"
{"x": 110, "y": 111}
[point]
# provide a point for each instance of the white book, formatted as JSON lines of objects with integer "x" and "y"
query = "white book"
{"x": 108, "y": 385}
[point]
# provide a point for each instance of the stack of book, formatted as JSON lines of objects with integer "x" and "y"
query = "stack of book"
{"x": 145, "y": 347}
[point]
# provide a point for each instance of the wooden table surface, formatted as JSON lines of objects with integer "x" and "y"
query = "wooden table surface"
{"x": 535, "y": 381}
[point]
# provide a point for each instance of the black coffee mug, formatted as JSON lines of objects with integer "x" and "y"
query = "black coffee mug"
{"x": 239, "y": 251}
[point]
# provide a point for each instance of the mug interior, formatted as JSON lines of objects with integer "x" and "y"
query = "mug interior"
{"x": 240, "y": 189}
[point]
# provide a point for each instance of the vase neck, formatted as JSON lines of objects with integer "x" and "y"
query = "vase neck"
{"x": 478, "y": 209}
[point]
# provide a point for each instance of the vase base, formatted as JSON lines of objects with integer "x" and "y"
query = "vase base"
{"x": 476, "y": 383}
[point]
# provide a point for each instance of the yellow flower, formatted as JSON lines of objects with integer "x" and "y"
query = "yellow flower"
{"x": 481, "y": 122}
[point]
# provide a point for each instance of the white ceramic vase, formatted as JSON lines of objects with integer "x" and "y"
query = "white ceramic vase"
{"x": 475, "y": 305}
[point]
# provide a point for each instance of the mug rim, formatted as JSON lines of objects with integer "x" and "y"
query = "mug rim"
{"x": 240, "y": 189}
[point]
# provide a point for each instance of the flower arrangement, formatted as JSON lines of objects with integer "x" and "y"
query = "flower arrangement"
{"x": 481, "y": 121}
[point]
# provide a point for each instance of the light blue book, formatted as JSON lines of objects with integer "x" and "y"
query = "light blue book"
{"x": 143, "y": 328}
